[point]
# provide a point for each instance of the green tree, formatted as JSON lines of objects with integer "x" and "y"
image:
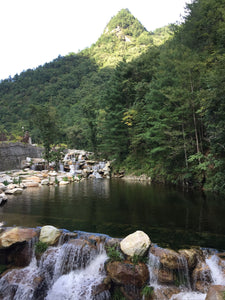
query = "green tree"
{"x": 45, "y": 122}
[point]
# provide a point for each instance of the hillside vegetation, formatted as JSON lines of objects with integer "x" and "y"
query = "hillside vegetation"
{"x": 153, "y": 101}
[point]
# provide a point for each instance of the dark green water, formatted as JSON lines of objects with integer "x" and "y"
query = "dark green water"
{"x": 171, "y": 217}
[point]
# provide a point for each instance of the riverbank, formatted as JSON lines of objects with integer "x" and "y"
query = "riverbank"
{"x": 14, "y": 182}
{"x": 48, "y": 263}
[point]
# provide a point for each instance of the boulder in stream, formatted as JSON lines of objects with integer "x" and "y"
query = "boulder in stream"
{"x": 49, "y": 234}
{"x": 216, "y": 292}
{"x": 136, "y": 243}
{"x": 126, "y": 273}
{"x": 16, "y": 235}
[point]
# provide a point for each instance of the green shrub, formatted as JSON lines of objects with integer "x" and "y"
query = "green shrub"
{"x": 114, "y": 254}
{"x": 136, "y": 259}
{"x": 117, "y": 295}
{"x": 5, "y": 182}
{"x": 147, "y": 290}
{"x": 40, "y": 247}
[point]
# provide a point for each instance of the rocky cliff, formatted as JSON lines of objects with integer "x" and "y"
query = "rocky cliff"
{"x": 12, "y": 154}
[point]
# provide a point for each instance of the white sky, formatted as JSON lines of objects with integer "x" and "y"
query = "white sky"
{"x": 34, "y": 32}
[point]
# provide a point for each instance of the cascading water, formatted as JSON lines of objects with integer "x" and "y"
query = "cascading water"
{"x": 218, "y": 277}
{"x": 183, "y": 277}
{"x": 75, "y": 270}
{"x": 153, "y": 267}
{"x": 19, "y": 283}
{"x": 69, "y": 271}
{"x": 183, "y": 273}
{"x": 80, "y": 284}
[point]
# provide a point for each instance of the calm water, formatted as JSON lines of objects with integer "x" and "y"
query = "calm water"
{"x": 115, "y": 207}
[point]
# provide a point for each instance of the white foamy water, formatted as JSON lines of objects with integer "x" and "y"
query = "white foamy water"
{"x": 79, "y": 284}
{"x": 216, "y": 271}
{"x": 23, "y": 283}
{"x": 189, "y": 296}
{"x": 153, "y": 268}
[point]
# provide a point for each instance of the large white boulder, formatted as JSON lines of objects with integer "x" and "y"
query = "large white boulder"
{"x": 49, "y": 234}
{"x": 136, "y": 243}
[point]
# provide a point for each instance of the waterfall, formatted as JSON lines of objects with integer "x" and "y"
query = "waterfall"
{"x": 213, "y": 263}
{"x": 73, "y": 270}
{"x": 19, "y": 283}
{"x": 153, "y": 268}
{"x": 61, "y": 167}
{"x": 80, "y": 284}
{"x": 95, "y": 171}
{"x": 183, "y": 272}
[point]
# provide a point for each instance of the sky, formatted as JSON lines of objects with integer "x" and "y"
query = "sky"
{"x": 34, "y": 32}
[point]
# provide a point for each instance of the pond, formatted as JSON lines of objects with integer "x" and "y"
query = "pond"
{"x": 171, "y": 217}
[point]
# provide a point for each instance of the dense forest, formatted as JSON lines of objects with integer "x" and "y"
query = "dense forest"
{"x": 152, "y": 101}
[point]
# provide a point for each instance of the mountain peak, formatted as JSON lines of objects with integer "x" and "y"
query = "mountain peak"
{"x": 124, "y": 24}
{"x": 123, "y": 37}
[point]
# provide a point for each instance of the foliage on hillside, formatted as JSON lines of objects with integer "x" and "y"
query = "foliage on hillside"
{"x": 155, "y": 107}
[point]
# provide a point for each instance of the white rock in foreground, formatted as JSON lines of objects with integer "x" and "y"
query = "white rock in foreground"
{"x": 49, "y": 234}
{"x": 136, "y": 243}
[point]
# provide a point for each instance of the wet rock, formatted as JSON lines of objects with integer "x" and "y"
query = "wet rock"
{"x": 136, "y": 243}
{"x": 20, "y": 284}
{"x": 19, "y": 255}
{"x": 191, "y": 256}
{"x": 125, "y": 273}
{"x": 201, "y": 277}
{"x": 216, "y": 292}
{"x": 96, "y": 239}
{"x": 16, "y": 235}
{"x": 169, "y": 259}
{"x": 164, "y": 292}
{"x": 131, "y": 292}
{"x": 100, "y": 289}
{"x": 112, "y": 242}
{"x": 222, "y": 262}
{"x": 166, "y": 276}
{"x": 81, "y": 251}
{"x": 49, "y": 234}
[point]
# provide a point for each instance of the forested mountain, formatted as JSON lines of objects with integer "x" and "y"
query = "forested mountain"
{"x": 153, "y": 101}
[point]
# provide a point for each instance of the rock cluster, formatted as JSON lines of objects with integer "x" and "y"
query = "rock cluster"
{"x": 133, "y": 264}
{"x": 12, "y": 183}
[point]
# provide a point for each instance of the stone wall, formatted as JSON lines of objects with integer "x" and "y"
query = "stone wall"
{"x": 12, "y": 154}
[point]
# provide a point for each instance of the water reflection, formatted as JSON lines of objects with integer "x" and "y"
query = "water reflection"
{"x": 171, "y": 217}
